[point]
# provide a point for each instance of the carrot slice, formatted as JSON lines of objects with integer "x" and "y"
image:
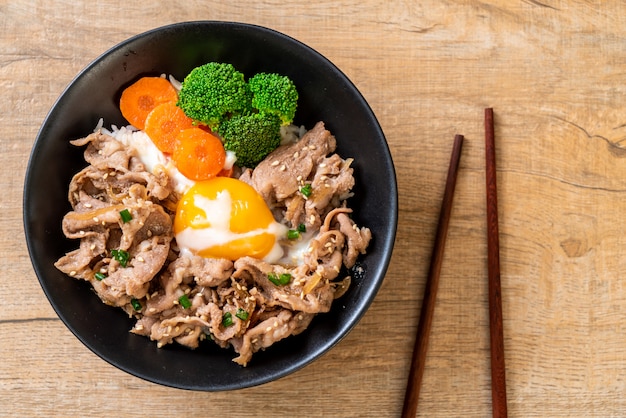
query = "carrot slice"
{"x": 164, "y": 123}
{"x": 141, "y": 97}
{"x": 198, "y": 154}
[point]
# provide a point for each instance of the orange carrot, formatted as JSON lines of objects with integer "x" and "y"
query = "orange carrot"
{"x": 198, "y": 154}
{"x": 164, "y": 123}
{"x": 144, "y": 95}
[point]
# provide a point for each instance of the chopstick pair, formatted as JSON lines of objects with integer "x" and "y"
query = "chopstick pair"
{"x": 498, "y": 381}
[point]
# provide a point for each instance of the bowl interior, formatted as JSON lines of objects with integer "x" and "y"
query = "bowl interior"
{"x": 325, "y": 94}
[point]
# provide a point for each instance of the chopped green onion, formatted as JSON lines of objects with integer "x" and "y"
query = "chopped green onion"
{"x": 241, "y": 314}
{"x": 100, "y": 276}
{"x": 306, "y": 190}
{"x": 121, "y": 256}
{"x": 227, "y": 319}
{"x": 284, "y": 278}
{"x": 273, "y": 278}
{"x": 295, "y": 233}
{"x": 279, "y": 280}
{"x": 184, "y": 302}
{"x": 126, "y": 216}
{"x": 136, "y": 304}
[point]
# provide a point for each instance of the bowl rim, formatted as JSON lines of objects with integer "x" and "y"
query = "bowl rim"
{"x": 387, "y": 243}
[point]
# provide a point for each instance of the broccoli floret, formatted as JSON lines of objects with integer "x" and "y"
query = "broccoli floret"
{"x": 251, "y": 136}
{"x": 274, "y": 93}
{"x": 213, "y": 91}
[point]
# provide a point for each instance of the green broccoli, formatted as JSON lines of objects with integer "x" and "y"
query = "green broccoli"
{"x": 274, "y": 93}
{"x": 251, "y": 136}
{"x": 214, "y": 91}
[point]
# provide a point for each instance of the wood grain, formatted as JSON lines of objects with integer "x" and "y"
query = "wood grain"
{"x": 554, "y": 71}
{"x": 420, "y": 349}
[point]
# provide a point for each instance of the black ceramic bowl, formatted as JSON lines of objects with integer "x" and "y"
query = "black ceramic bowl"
{"x": 325, "y": 94}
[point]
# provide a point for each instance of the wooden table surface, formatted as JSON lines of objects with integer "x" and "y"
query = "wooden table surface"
{"x": 555, "y": 74}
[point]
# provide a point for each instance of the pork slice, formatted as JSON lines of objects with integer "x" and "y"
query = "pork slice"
{"x": 357, "y": 239}
{"x": 204, "y": 271}
{"x": 299, "y": 295}
{"x": 146, "y": 260}
{"x": 268, "y": 332}
{"x": 113, "y": 170}
{"x": 103, "y": 151}
{"x": 277, "y": 177}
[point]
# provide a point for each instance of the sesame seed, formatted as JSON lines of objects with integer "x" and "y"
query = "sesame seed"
{"x": 326, "y": 185}
{"x": 149, "y": 233}
{"x": 160, "y": 344}
{"x": 177, "y": 329}
{"x": 104, "y": 177}
{"x": 311, "y": 147}
{"x": 139, "y": 327}
{"x": 296, "y": 154}
{"x": 312, "y": 219}
{"x": 92, "y": 247}
{"x": 283, "y": 167}
{"x": 300, "y": 317}
{"x": 356, "y": 228}
{"x": 299, "y": 178}
{"x": 336, "y": 268}
{"x": 268, "y": 329}
{"x": 322, "y": 165}
{"x": 169, "y": 329}
{"x": 103, "y": 223}
{"x": 140, "y": 258}
{"x": 96, "y": 220}
{"x": 254, "y": 341}
{"x": 88, "y": 205}
{"x": 275, "y": 324}
{"x": 152, "y": 310}
{"x": 81, "y": 232}
{"x": 275, "y": 163}
{"x": 73, "y": 273}
{"x": 252, "y": 299}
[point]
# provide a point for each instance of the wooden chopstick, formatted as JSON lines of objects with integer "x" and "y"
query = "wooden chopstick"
{"x": 498, "y": 378}
{"x": 416, "y": 372}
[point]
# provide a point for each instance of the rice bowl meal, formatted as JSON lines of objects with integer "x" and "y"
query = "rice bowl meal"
{"x": 252, "y": 226}
{"x": 197, "y": 229}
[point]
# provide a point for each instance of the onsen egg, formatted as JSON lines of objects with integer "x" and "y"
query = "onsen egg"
{"x": 226, "y": 218}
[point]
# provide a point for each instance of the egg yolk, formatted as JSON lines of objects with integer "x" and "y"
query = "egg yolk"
{"x": 226, "y": 218}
